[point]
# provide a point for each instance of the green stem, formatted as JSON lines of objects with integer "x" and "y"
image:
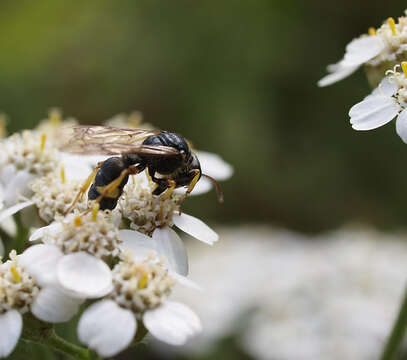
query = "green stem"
{"x": 40, "y": 333}
{"x": 396, "y": 337}
{"x": 21, "y": 239}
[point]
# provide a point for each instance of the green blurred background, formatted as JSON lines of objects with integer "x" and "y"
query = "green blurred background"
{"x": 237, "y": 78}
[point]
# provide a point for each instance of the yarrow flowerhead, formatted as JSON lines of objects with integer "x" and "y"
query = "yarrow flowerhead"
{"x": 24, "y": 157}
{"x": 17, "y": 288}
{"x": 139, "y": 286}
{"x": 129, "y": 257}
{"x": 387, "y": 101}
{"x": 93, "y": 233}
{"x": 28, "y": 283}
{"x": 379, "y": 51}
{"x": 145, "y": 211}
{"x": 53, "y": 194}
{"x": 140, "y": 293}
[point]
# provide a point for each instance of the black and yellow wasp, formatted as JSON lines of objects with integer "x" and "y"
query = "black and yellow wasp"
{"x": 166, "y": 156}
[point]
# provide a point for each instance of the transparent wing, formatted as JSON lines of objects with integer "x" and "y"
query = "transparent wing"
{"x": 105, "y": 140}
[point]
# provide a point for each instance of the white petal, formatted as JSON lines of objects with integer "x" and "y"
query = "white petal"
{"x": 42, "y": 233}
{"x": 107, "y": 328}
{"x": 14, "y": 209}
{"x": 8, "y": 172}
{"x": 52, "y": 305}
{"x": 340, "y": 73}
{"x": 137, "y": 243}
{"x": 195, "y": 227}
{"x": 373, "y": 112}
{"x": 184, "y": 281}
{"x": 173, "y": 323}
{"x": 363, "y": 49}
{"x": 9, "y": 226}
{"x": 17, "y": 186}
{"x": 76, "y": 168}
{"x": 11, "y": 324}
{"x": 169, "y": 245}
{"x": 84, "y": 275}
{"x": 387, "y": 87}
{"x": 214, "y": 166}
{"x": 401, "y": 125}
{"x": 41, "y": 261}
{"x": 202, "y": 186}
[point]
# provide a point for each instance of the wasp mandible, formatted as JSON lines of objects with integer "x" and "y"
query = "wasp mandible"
{"x": 166, "y": 156}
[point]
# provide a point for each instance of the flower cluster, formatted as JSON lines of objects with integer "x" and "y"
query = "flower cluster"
{"x": 128, "y": 258}
{"x": 383, "y": 52}
{"x": 379, "y": 50}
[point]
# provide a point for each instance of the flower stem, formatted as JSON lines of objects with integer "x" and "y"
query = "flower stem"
{"x": 40, "y": 333}
{"x": 21, "y": 238}
{"x": 396, "y": 337}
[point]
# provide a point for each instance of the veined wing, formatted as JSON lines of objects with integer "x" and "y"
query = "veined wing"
{"x": 105, "y": 140}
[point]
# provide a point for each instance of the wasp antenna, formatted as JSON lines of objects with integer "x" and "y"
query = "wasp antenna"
{"x": 217, "y": 186}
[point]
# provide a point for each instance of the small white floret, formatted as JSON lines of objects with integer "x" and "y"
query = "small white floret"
{"x": 107, "y": 328}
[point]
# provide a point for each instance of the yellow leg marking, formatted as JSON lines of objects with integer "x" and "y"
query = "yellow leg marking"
{"x": 115, "y": 183}
{"x": 95, "y": 210}
{"x": 169, "y": 191}
{"x": 191, "y": 185}
{"x": 83, "y": 189}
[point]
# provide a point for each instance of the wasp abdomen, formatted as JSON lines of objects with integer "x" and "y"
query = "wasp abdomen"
{"x": 110, "y": 170}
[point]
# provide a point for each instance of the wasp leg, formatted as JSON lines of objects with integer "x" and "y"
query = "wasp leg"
{"x": 172, "y": 184}
{"x": 131, "y": 170}
{"x": 191, "y": 185}
{"x": 83, "y": 188}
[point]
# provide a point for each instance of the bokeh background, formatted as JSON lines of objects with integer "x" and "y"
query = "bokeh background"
{"x": 237, "y": 78}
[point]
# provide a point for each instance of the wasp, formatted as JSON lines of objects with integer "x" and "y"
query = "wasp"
{"x": 166, "y": 156}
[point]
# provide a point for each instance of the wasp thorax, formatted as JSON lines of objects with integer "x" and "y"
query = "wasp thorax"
{"x": 93, "y": 233}
{"x": 17, "y": 287}
{"x": 146, "y": 211}
{"x": 139, "y": 286}
{"x": 53, "y": 195}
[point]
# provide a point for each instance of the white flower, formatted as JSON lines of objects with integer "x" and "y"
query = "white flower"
{"x": 29, "y": 156}
{"x": 85, "y": 242}
{"x": 147, "y": 212}
{"x": 384, "y": 45}
{"x": 384, "y": 104}
{"x": 54, "y": 194}
{"x": 28, "y": 283}
{"x": 139, "y": 293}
